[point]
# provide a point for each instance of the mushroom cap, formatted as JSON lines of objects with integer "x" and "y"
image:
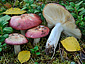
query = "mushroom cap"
{"x": 37, "y": 32}
{"x": 55, "y": 13}
{"x": 16, "y": 39}
{"x": 25, "y": 21}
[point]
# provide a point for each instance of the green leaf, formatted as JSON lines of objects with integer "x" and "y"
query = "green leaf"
{"x": 82, "y": 23}
{"x": 82, "y": 12}
{"x": 1, "y": 46}
{"x": 3, "y": 23}
{"x": 26, "y": 5}
{"x": 37, "y": 53}
{"x": 32, "y": 51}
{"x": 84, "y": 19}
{"x": 23, "y": 8}
{"x": 63, "y": 4}
{"x": 83, "y": 62}
{"x": 69, "y": 8}
{"x": 37, "y": 0}
{"x": 80, "y": 17}
{"x": 7, "y": 30}
{"x": 36, "y": 11}
{"x": 81, "y": 9}
{"x": 4, "y": 44}
{"x": 42, "y": 17}
{"x": 43, "y": 5}
{"x": 31, "y": 1}
{"x": 74, "y": 15}
{"x": 2, "y": 38}
{"x": 31, "y": 10}
{"x": 79, "y": 3}
{"x": 77, "y": 8}
{"x": 5, "y": 18}
{"x": 3, "y": 0}
{"x": 33, "y": 5}
{"x": 36, "y": 63}
{"x": 72, "y": 4}
{"x": 77, "y": 22}
{"x": 36, "y": 48}
{"x": 6, "y": 35}
{"x": 26, "y": 1}
{"x": 0, "y": 49}
{"x": 38, "y": 7}
{"x": 0, "y": 43}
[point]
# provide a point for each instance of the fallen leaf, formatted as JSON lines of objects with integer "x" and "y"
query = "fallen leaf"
{"x": 24, "y": 56}
{"x": 71, "y": 44}
{"x": 14, "y": 11}
{"x": 8, "y": 5}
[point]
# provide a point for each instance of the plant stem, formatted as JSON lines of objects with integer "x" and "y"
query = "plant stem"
{"x": 14, "y": 3}
{"x": 1, "y": 30}
{"x": 61, "y": 53}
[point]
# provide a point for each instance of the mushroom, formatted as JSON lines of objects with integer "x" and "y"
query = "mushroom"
{"x": 57, "y": 16}
{"x": 25, "y": 21}
{"x": 37, "y": 32}
{"x": 16, "y": 40}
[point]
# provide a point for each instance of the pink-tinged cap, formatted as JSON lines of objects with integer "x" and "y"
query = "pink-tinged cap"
{"x": 25, "y": 21}
{"x": 16, "y": 39}
{"x": 37, "y": 32}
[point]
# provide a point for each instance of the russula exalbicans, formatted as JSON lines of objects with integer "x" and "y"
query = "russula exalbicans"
{"x": 25, "y": 21}
{"x": 37, "y": 32}
{"x": 57, "y": 16}
{"x": 16, "y": 40}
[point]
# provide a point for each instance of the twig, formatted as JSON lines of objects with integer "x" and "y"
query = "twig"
{"x": 80, "y": 61}
{"x": 83, "y": 51}
{"x": 14, "y": 3}
{"x": 61, "y": 53}
{"x": 53, "y": 53}
{"x": 32, "y": 59}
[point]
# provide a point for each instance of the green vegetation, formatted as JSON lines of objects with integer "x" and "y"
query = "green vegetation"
{"x": 34, "y": 50}
{"x": 4, "y": 30}
{"x": 38, "y": 55}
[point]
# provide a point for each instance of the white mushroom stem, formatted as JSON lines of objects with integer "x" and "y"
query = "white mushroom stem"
{"x": 17, "y": 49}
{"x": 36, "y": 40}
{"x": 54, "y": 36}
{"x": 23, "y": 32}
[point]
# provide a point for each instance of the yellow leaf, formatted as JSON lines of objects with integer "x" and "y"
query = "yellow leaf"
{"x": 14, "y": 11}
{"x": 71, "y": 44}
{"x": 24, "y": 56}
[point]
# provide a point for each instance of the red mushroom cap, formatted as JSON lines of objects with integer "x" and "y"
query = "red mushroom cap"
{"x": 25, "y": 21}
{"x": 37, "y": 32}
{"x": 16, "y": 39}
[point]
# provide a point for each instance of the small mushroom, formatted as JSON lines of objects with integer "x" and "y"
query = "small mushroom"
{"x": 37, "y": 32}
{"x": 16, "y": 40}
{"x": 25, "y": 21}
{"x": 57, "y": 16}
